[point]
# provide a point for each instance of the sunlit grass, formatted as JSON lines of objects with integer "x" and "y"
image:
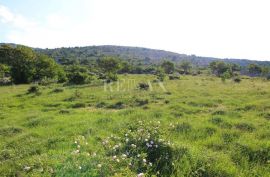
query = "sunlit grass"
{"x": 223, "y": 127}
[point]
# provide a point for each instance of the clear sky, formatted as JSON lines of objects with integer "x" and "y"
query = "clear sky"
{"x": 217, "y": 28}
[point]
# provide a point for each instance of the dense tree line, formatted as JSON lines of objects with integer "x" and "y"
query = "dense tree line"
{"x": 20, "y": 64}
{"x": 24, "y": 65}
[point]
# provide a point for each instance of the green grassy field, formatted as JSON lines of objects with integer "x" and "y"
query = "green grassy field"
{"x": 215, "y": 128}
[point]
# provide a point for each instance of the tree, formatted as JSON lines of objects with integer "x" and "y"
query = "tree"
{"x": 168, "y": 67}
{"x": 4, "y": 70}
{"x": 45, "y": 67}
{"x": 26, "y": 65}
{"x": 186, "y": 66}
{"x": 109, "y": 66}
{"x": 125, "y": 67}
{"x": 22, "y": 61}
{"x": 160, "y": 74}
{"x": 77, "y": 74}
{"x": 218, "y": 67}
{"x": 254, "y": 69}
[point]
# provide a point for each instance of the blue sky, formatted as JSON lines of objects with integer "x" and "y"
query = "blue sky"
{"x": 217, "y": 28}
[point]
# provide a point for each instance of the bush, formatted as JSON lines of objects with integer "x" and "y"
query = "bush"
{"x": 79, "y": 105}
{"x": 142, "y": 102}
{"x": 143, "y": 86}
{"x": 118, "y": 105}
{"x": 5, "y": 81}
{"x": 33, "y": 89}
{"x": 268, "y": 77}
{"x": 174, "y": 77}
{"x": 237, "y": 80}
{"x": 141, "y": 149}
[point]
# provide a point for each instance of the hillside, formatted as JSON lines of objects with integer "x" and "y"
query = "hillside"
{"x": 134, "y": 54}
{"x": 144, "y": 55}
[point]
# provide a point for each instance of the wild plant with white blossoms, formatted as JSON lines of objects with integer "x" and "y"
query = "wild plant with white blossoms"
{"x": 141, "y": 148}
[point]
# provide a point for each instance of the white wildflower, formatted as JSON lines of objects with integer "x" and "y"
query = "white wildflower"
{"x": 133, "y": 145}
{"x": 99, "y": 165}
{"x": 124, "y": 155}
{"x": 27, "y": 168}
{"x": 140, "y": 175}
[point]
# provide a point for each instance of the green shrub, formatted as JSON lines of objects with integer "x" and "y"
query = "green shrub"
{"x": 79, "y": 105}
{"x": 33, "y": 89}
{"x": 174, "y": 77}
{"x": 237, "y": 80}
{"x": 118, "y": 105}
{"x": 143, "y": 86}
{"x": 141, "y": 149}
{"x": 141, "y": 102}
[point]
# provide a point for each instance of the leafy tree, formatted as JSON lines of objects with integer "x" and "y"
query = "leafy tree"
{"x": 218, "y": 67}
{"x": 4, "y": 70}
{"x": 22, "y": 60}
{"x": 125, "y": 67}
{"x": 77, "y": 74}
{"x": 160, "y": 74}
{"x": 168, "y": 67}
{"x": 186, "y": 66}
{"x": 225, "y": 75}
{"x": 254, "y": 69}
{"x": 109, "y": 67}
{"x": 45, "y": 67}
{"x": 27, "y": 66}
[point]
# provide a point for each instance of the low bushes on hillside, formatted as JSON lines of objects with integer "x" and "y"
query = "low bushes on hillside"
{"x": 33, "y": 89}
{"x": 143, "y": 86}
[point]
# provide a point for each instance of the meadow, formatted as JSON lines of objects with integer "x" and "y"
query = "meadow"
{"x": 199, "y": 125}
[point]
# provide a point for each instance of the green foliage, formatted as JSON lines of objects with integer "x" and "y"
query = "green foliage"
{"x": 237, "y": 79}
{"x": 77, "y": 74}
{"x": 160, "y": 74}
{"x": 141, "y": 148}
{"x": 186, "y": 66}
{"x": 143, "y": 86}
{"x": 174, "y": 77}
{"x": 254, "y": 69}
{"x": 27, "y": 66}
{"x": 33, "y": 89}
{"x": 109, "y": 66}
{"x": 225, "y": 75}
{"x": 4, "y": 70}
{"x": 168, "y": 67}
